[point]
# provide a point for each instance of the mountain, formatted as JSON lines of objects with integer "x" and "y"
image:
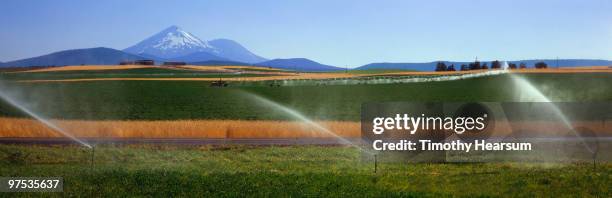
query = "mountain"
{"x": 430, "y": 66}
{"x": 170, "y": 43}
{"x": 233, "y": 51}
{"x": 198, "y": 57}
{"x": 298, "y": 64}
{"x": 151, "y": 57}
{"x": 174, "y": 43}
{"x": 89, "y": 56}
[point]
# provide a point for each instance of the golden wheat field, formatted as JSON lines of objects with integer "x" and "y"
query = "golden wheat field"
{"x": 86, "y": 67}
{"x": 26, "y": 128}
{"x": 229, "y": 67}
{"x": 280, "y": 75}
{"x": 303, "y": 76}
{"x": 123, "y": 67}
{"x": 29, "y": 128}
{"x": 589, "y": 69}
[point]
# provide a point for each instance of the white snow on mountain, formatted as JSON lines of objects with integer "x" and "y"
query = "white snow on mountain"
{"x": 173, "y": 42}
{"x": 179, "y": 39}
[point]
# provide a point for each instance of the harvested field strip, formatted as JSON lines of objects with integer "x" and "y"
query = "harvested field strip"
{"x": 228, "y": 68}
{"x": 122, "y": 67}
{"x": 565, "y": 71}
{"x": 87, "y": 68}
{"x": 256, "y": 68}
{"x": 259, "y": 78}
{"x": 306, "y": 76}
{"x": 28, "y": 128}
{"x": 593, "y": 69}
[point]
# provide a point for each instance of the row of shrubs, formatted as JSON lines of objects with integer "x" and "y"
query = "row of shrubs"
{"x": 476, "y": 65}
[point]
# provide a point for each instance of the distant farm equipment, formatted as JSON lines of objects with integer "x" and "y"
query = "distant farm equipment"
{"x": 219, "y": 83}
{"x": 274, "y": 84}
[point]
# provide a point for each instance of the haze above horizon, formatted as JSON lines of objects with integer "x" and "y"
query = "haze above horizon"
{"x": 341, "y": 33}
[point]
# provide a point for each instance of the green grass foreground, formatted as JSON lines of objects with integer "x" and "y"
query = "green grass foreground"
{"x": 169, "y": 171}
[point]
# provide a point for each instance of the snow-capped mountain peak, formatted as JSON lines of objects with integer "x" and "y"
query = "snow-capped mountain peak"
{"x": 171, "y": 42}
{"x": 175, "y": 37}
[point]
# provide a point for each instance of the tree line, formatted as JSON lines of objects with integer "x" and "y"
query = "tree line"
{"x": 476, "y": 65}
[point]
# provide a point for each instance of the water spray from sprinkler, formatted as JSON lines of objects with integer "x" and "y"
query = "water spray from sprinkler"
{"x": 529, "y": 93}
{"x": 46, "y": 122}
{"x": 393, "y": 80}
{"x": 297, "y": 115}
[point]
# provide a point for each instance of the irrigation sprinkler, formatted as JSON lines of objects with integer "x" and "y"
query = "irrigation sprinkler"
{"x": 91, "y": 167}
{"x": 375, "y": 163}
{"x": 594, "y": 156}
{"x": 93, "y": 154}
{"x": 23, "y": 108}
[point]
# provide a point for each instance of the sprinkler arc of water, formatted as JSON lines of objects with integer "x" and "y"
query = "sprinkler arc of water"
{"x": 297, "y": 115}
{"x": 392, "y": 80}
{"x": 42, "y": 120}
{"x": 537, "y": 96}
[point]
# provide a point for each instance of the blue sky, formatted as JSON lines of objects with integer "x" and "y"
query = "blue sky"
{"x": 341, "y": 33}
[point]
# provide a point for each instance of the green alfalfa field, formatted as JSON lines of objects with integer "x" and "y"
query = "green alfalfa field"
{"x": 172, "y": 100}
